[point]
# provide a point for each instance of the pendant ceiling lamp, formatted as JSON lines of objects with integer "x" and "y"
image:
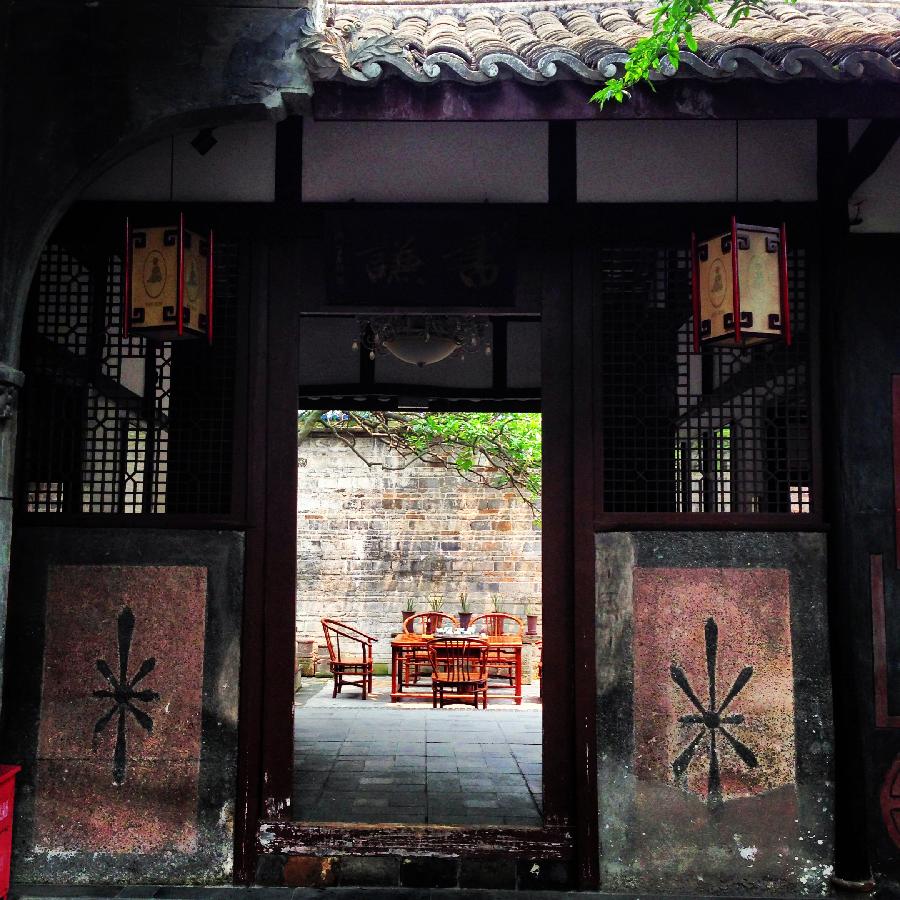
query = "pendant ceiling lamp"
{"x": 423, "y": 340}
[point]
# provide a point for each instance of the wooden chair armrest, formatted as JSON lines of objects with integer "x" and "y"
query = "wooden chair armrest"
{"x": 352, "y": 633}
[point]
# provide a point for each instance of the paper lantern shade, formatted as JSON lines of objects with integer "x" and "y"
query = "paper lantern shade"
{"x": 740, "y": 290}
{"x": 168, "y": 283}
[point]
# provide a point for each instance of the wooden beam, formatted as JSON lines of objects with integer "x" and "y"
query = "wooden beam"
{"x": 289, "y": 161}
{"x": 395, "y": 99}
{"x": 870, "y": 151}
{"x": 562, "y": 165}
{"x": 851, "y": 856}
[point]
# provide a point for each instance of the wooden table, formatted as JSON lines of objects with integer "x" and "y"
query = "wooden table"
{"x": 403, "y": 644}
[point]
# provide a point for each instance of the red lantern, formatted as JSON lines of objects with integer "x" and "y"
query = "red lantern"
{"x": 740, "y": 287}
{"x": 168, "y": 282}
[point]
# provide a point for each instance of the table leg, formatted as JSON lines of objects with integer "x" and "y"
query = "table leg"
{"x": 394, "y": 654}
{"x": 518, "y": 676}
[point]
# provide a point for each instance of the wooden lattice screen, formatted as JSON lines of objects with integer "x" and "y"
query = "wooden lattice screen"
{"x": 123, "y": 425}
{"x": 722, "y": 430}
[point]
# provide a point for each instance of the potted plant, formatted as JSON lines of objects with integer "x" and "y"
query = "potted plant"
{"x": 409, "y": 610}
{"x": 531, "y": 614}
{"x": 465, "y": 614}
{"x": 496, "y": 603}
{"x": 436, "y": 603}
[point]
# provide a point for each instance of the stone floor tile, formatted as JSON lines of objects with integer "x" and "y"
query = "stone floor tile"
{"x": 369, "y": 800}
{"x": 439, "y": 788}
{"x": 426, "y": 763}
{"x": 471, "y": 781}
{"x": 407, "y": 816}
{"x": 376, "y": 781}
{"x": 409, "y": 776}
{"x": 503, "y": 769}
{"x": 470, "y": 765}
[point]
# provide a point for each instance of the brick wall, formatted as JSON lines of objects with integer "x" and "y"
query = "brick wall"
{"x": 369, "y": 537}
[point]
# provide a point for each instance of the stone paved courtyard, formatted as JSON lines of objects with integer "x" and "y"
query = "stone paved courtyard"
{"x": 374, "y": 761}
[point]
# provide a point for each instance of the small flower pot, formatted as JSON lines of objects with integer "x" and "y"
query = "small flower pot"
{"x": 532, "y": 624}
{"x": 464, "y": 619}
{"x": 407, "y": 614}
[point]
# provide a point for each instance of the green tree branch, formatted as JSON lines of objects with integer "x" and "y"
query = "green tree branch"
{"x": 672, "y": 28}
{"x": 498, "y": 450}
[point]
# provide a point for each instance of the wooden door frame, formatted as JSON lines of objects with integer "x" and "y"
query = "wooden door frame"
{"x": 263, "y": 823}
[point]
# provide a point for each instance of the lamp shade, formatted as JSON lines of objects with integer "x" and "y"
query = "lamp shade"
{"x": 419, "y": 350}
{"x": 740, "y": 290}
{"x": 168, "y": 282}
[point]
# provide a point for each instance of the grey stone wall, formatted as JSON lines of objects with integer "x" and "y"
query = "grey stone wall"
{"x": 369, "y": 538}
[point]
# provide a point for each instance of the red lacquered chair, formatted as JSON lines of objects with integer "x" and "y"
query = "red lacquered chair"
{"x": 424, "y": 625}
{"x": 498, "y": 624}
{"x": 458, "y": 667}
{"x": 350, "y": 656}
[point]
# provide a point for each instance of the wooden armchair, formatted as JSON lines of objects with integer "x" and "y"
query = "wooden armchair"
{"x": 425, "y": 625}
{"x": 350, "y": 656}
{"x": 458, "y": 666}
{"x": 499, "y": 624}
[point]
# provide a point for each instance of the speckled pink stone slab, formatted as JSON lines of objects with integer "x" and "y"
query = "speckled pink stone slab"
{"x": 78, "y": 805}
{"x": 751, "y": 609}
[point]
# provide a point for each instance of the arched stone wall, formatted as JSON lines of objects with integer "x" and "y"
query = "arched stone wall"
{"x": 83, "y": 87}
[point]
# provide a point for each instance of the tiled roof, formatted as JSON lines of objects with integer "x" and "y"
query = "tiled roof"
{"x": 483, "y": 42}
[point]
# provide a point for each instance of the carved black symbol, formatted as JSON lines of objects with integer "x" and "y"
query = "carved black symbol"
{"x": 123, "y": 694}
{"x": 711, "y": 718}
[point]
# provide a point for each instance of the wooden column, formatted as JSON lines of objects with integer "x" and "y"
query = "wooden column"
{"x": 568, "y": 412}
{"x": 851, "y": 851}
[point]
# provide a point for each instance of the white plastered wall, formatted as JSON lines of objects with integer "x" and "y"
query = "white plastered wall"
{"x": 875, "y": 205}
{"x": 499, "y": 162}
{"x": 699, "y": 162}
{"x": 425, "y": 162}
{"x": 239, "y": 168}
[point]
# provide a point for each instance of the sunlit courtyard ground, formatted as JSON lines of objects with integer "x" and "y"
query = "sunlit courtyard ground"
{"x": 377, "y": 761}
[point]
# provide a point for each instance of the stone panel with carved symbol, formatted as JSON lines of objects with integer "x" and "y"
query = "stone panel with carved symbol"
{"x": 714, "y": 680}
{"x": 119, "y": 742}
{"x": 713, "y": 712}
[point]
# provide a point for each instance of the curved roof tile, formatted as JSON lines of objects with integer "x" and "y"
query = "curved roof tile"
{"x": 537, "y": 42}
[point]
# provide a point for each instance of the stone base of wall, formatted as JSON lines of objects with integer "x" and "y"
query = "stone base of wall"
{"x": 736, "y": 622}
{"x": 414, "y": 872}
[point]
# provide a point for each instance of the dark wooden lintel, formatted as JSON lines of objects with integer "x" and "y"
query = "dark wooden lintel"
{"x": 399, "y": 100}
{"x": 422, "y": 392}
{"x": 870, "y": 151}
{"x": 329, "y": 839}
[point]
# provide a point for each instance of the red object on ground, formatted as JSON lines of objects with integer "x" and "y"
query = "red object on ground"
{"x": 7, "y": 797}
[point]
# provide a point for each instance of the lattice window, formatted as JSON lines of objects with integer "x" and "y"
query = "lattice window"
{"x": 123, "y": 425}
{"x": 716, "y": 431}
